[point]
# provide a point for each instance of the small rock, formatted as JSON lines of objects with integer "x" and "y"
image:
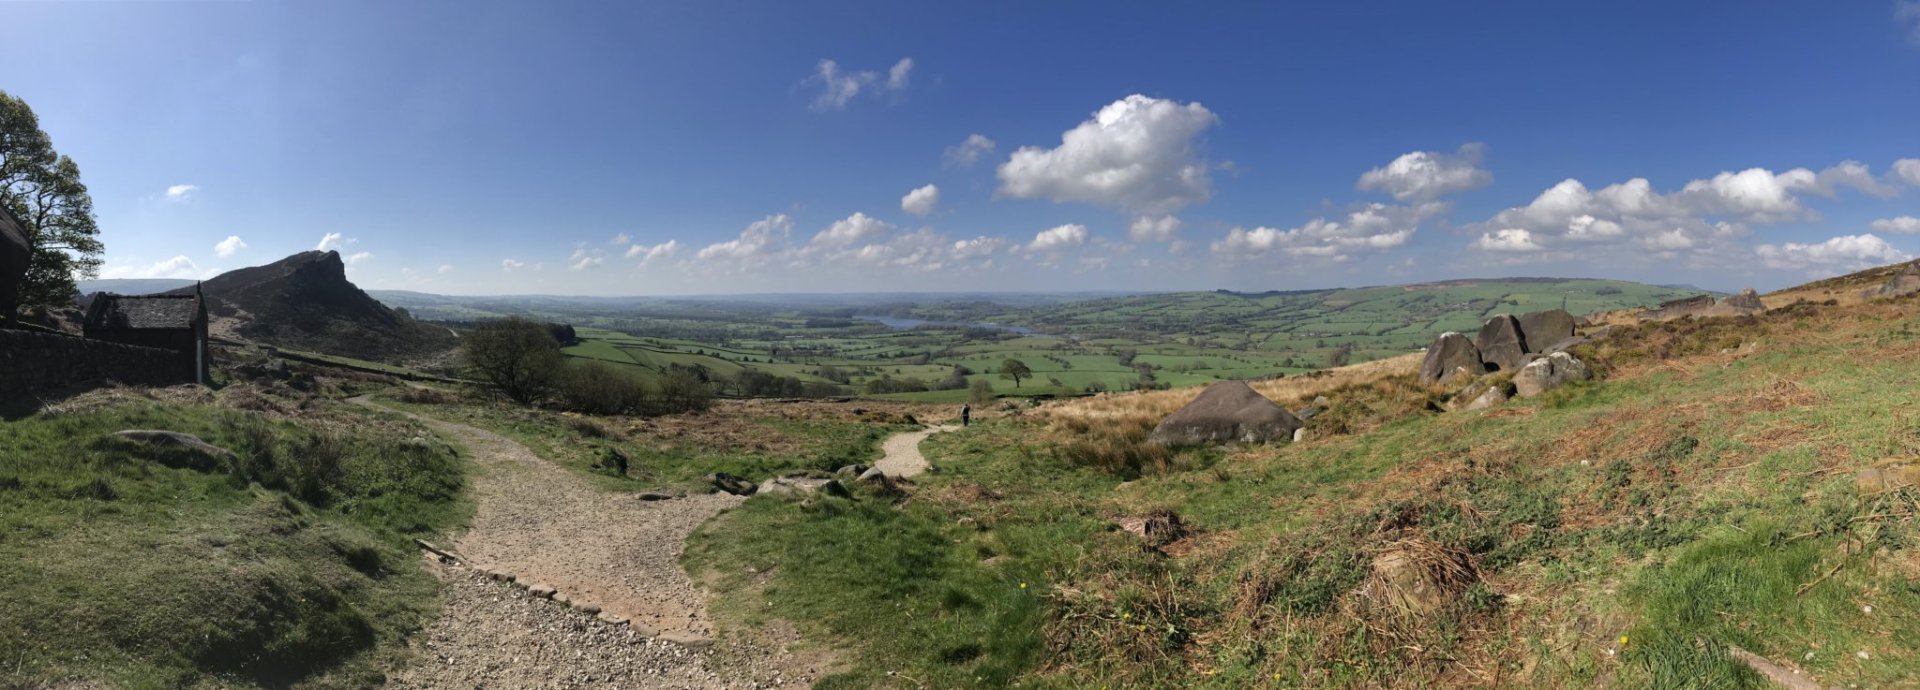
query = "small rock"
{"x": 732, "y": 484}
{"x": 656, "y": 495}
{"x": 561, "y": 598}
{"x": 611, "y": 619}
{"x": 686, "y": 639}
{"x": 851, "y": 471}
{"x": 1299, "y": 434}
{"x": 541, "y": 591}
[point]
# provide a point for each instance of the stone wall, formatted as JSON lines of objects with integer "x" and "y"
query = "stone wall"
{"x": 33, "y": 363}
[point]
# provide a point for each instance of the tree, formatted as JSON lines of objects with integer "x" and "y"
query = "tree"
{"x": 980, "y": 392}
{"x": 1015, "y": 370}
{"x": 519, "y": 357}
{"x": 1340, "y": 356}
{"x": 42, "y": 188}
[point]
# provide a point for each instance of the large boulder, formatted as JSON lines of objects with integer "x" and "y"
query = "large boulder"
{"x": 1449, "y": 352}
{"x": 1539, "y": 329}
{"x": 1547, "y": 373}
{"x": 1905, "y": 282}
{"x": 15, "y": 253}
{"x": 1228, "y": 411}
{"x": 1679, "y": 308}
{"x": 1501, "y": 345}
{"x": 1745, "y": 303}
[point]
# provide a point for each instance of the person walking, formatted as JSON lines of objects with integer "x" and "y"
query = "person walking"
{"x": 966, "y": 414}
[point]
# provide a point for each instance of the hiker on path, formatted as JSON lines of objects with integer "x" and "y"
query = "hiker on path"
{"x": 966, "y": 414}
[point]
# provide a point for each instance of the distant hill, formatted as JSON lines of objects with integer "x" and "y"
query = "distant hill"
{"x": 306, "y": 302}
{"x": 130, "y": 286}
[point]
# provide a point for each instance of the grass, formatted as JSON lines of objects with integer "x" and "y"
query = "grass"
{"x": 290, "y": 564}
{"x": 1622, "y": 532}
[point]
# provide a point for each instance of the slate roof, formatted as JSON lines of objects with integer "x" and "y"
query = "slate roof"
{"x": 143, "y": 312}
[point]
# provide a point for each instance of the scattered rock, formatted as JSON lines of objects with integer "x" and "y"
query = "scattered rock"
{"x": 1548, "y": 373}
{"x": 1745, "y": 303}
{"x": 1155, "y": 529}
{"x": 1541, "y": 328}
{"x": 1904, "y": 282}
{"x": 1478, "y": 397}
{"x": 1227, "y": 411}
{"x": 1500, "y": 343}
{"x": 1447, "y": 357}
{"x": 731, "y": 484}
{"x": 872, "y": 474}
{"x": 851, "y": 471}
{"x": 541, "y": 591}
{"x": 803, "y": 486}
{"x": 199, "y": 455}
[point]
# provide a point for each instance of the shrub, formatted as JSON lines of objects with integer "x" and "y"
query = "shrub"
{"x": 596, "y": 388}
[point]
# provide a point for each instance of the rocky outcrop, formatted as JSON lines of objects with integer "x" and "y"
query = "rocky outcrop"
{"x": 802, "y": 486}
{"x": 1226, "y": 412}
{"x": 1501, "y": 346}
{"x": 737, "y": 486}
{"x": 15, "y": 253}
{"x": 1449, "y": 352}
{"x": 1679, "y": 308}
{"x": 1904, "y": 282}
{"x": 306, "y": 302}
{"x": 1539, "y": 329}
{"x": 1548, "y": 373}
{"x": 1743, "y": 304}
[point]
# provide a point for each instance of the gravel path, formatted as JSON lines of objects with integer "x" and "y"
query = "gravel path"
{"x": 902, "y": 456}
{"x": 544, "y": 525}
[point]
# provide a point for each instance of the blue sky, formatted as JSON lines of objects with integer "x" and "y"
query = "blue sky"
{"x": 629, "y": 148}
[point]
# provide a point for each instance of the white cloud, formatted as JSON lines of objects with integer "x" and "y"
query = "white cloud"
{"x": 511, "y": 265}
{"x": 921, "y": 201}
{"x": 898, "y": 75}
{"x": 1137, "y": 153}
{"x": 584, "y": 257}
{"x": 977, "y": 247}
{"x": 1907, "y": 13}
{"x": 1369, "y": 228}
{"x": 1907, "y": 170}
{"x": 1905, "y": 225}
{"x": 839, "y": 87}
{"x": 1695, "y": 218}
{"x": 622, "y": 238}
{"x": 1423, "y": 175}
{"x": 968, "y": 152}
{"x": 754, "y": 242}
{"x": 358, "y": 257}
{"x": 445, "y": 269}
{"x": 858, "y": 227}
{"x": 1058, "y": 238}
{"x": 330, "y": 242}
{"x": 181, "y": 192}
{"x": 1151, "y": 229}
{"x": 176, "y": 267}
{"x": 650, "y": 254}
{"x": 228, "y": 246}
{"x": 1836, "y": 255}
{"x": 1507, "y": 240}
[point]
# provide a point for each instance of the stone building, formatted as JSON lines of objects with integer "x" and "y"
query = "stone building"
{"x": 170, "y": 322}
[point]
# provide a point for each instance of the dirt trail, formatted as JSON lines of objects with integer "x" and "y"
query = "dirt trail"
{"x": 544, "y": 525}
{"x": 902, "y": 456}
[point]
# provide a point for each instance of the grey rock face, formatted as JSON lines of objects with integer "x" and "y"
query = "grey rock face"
{"x": 1228, "y": 411}
{"x": 1449, "y": 352}
{"x": 1501, "y": 346}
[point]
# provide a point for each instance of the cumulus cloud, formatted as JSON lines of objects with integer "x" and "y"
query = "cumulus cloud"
{"x": 1905, "y": 225}
{"x": 511, "y": 265}
{"x": 331, "y": 241}
{"x": 1153, "y": 229}
{"x": 1058, "y": 238}
{"x": 176, "y": 267}
{"x": 838, "y": 87}
{"x": 754, "y": 242}
{"x": 1508, "y": 240}
{"x": 1425, "y": 175}
{"x": 584, "y": 257}
{"x": 978, "y": 247}
{"x": 1907, "y": 170}
{"x": 656, "y": 252}
{"x": 229, "y": 246}
{"x": 858, "y": 227}
{"x": 1696, "y": 218}
{"x": 1137, "y": 154}
{"x": 181, "y": 192}
{"x": 1369, "y": 228}
{"x": 968, "y": 152}
{"x": 1837, "y": 255}
{"x": 358, "y": 257}
{"x": 921, "y": 201}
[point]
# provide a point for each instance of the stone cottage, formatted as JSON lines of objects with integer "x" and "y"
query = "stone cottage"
{"x": 171, "y": 322}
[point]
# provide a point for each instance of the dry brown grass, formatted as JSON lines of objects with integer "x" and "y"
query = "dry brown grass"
{"x": 1155, "y": 405}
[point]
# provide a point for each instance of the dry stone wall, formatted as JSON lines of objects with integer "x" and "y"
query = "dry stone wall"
{"x": 33, "y": 363}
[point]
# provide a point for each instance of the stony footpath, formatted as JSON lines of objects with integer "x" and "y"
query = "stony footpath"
{"x": 902, "y": 456}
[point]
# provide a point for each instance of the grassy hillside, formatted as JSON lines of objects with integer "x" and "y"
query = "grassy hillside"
{"x": 124, "y": 565}
{"x": 1625, "y": 532}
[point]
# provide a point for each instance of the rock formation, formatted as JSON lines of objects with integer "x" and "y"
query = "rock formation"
{"x": 1547, "y": 373}
{"x": 1500, "y": 343}
{"x": 1745, "y": 303}
{"x": 1905, "y": 282}
{"x": 15, "y": 253}
{"x": 1679, "y": 308}
{"x": 1540, "y": 329}
{"x": 1449, "y": 352}
{"x": 1228, "y": 411}
{"x": 306, "y": 302}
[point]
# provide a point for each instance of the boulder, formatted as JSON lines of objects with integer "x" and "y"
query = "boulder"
{"x": 1156, "y": 529}
{"x": 184, "y": 450}
{"x": 15, "y": 253}
{"x": 1679, "y": 308}
{"x": 1564, "y": 345}
{"x": 1501, "y": 344}
{"x": 851, "y": 471}
{"x": 803, "y": 486}
{"x": 1747, "y": 302}
{"x": 734, "y": 485}
{"x": 1478, "y": 397}
{"x": 1541, "y": 328}
{"x": 1448, "y": 353}
{"x": 1905, "y": 282}
{"x": 1227, "y": 411}
{"x": 1548, "y": 373}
